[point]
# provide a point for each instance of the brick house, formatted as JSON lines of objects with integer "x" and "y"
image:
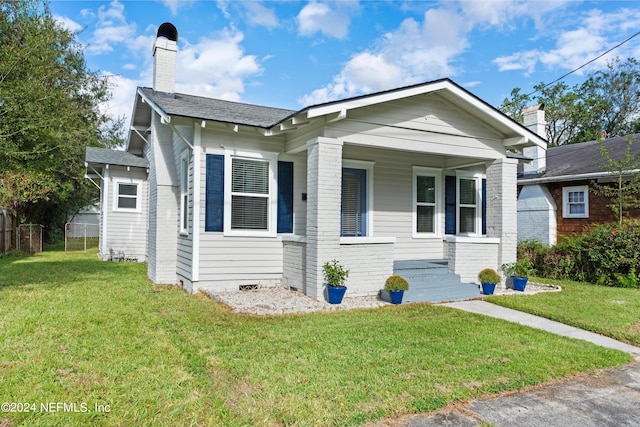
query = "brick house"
{"x": 240, "y": 194}
{"x": 559, "y": 200}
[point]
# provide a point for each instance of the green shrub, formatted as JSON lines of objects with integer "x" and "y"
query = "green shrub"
{"x": 606, "y": 255}
{"x": 335, "y": 273}
{"x": 521, "y": 268}
{"x": 396, "y": 283}
{"x": 489, "y": 275}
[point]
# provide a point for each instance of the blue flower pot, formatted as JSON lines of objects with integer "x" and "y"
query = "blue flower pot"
{"x": 396, "y": 297}
{"x": 334, "y": 294}
{"x": 488, "y": 288}
{"x": 519, "y": 283}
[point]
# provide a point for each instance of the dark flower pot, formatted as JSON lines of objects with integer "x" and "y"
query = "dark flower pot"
{"x": 519, "y": 283}
{"x": 396, "y": 297}
{"x": 488, "y": 288}
{"x": 335, "y": 294}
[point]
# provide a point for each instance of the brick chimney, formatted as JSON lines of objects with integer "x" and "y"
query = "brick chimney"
{"x": 535, "y": 122}
{"x": 164, "y": 58}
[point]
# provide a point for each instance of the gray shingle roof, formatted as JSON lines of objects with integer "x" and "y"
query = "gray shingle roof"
{"x": 202, "y": 108}
{"x": 585, "y": 157}
{"x": 105, "y": 156}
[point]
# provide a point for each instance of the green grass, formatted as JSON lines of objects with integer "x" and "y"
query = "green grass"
{"x": 614, "y": 312}
{"x": 77, "y": 330}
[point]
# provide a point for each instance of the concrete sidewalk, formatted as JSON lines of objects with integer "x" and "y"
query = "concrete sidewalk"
{"x": 492, "y": 310}
{"x": 608, "y": 398}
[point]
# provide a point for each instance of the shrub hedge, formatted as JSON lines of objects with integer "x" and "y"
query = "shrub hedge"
{"x": 607, "y": 255}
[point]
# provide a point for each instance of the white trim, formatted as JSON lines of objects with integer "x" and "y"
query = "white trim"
{"x": 195, "y": 216}
{"x": 577, "y": 177}
{"x": 470, "y": 239}
{"x": 477, "y": 177}
{"x": 104, "y": 211}
{"x": 184, "y": 191}
{"x": 439, "y": 202}
{"x": 565, "y": 201}
{"x": 272, "y": 224}
{"x": 368, "y": 167}
{"x": 349, "y": 240}
{"x": 138, "y": 197}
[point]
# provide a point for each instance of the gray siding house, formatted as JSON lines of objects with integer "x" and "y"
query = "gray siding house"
{"x": 241, "y": 194}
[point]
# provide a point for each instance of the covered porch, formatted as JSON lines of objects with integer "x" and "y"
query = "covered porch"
{"x": 378, "y": 211}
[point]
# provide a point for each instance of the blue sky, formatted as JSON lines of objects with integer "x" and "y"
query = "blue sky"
{"x": 292, "y": 54}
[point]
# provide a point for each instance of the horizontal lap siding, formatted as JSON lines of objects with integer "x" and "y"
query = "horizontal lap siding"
{"x": 229, "y": 261}
{"x": 392, "y": 197}
{"x": 185, "y": 243}
{"x": 127, "y": 231}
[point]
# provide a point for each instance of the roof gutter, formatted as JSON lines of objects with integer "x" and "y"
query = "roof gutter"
{"x": 579, "y": 177}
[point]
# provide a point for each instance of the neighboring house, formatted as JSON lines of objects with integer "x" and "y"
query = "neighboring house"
{"x": 123, "y": 181}
{"x": 558, "y": 200}
{"x": 242, "y": 194}
{"x": 87, "y": 215}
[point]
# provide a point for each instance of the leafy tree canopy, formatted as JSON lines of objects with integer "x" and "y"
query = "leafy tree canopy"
{"x": 49, "y": 113}
{"x": 607, "y": 102}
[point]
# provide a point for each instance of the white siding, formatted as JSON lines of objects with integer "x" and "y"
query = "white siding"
{"x": 126, "y": 231}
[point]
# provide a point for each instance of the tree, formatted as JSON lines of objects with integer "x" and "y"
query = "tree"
{"x": 49, "y": 113}
{"x": 607, "y": 101}
{"x": 625, "y": 172}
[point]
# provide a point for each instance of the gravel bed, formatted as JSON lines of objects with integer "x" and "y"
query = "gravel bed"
{"x": 278, "y": 300}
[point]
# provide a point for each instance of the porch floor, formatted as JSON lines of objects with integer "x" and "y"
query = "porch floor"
{"x": 430, "y": 281}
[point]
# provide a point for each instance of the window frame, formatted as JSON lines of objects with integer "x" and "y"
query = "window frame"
{"x": 368, "y": 167}
{"x": 566, "y": 204}
{"x": 184, "y": 193}
{"x": 462, "y": 175}
{"x": 437, "y": 228}
{"x": 272, "y": 196}
{"x": 137, "y": 197}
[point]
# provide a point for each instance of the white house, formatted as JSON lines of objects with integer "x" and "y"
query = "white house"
{"x": 240, "y": 194}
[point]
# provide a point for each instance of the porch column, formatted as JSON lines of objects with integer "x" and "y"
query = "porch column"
{"x": 324, "y": 186}
{"x": 502, "y": 214}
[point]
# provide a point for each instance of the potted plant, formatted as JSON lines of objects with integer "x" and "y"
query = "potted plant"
{"x": 395, "y": 286}
{"x": 335, "y": 274}
{"x": 488, "y": 279}
{"x": 519, "y": 272}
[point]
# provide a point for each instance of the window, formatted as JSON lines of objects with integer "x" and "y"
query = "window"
{"x": 356, "y": 217}
{"x": 426, "y": 202}
{"x": 575, "y": 202}
{"x": 467, "y": 205}
{"x": 248, "y": 194}
{"x": 184, "y": 193}
{"x": 126, "y": 196}
{"x": 353, "y": 218}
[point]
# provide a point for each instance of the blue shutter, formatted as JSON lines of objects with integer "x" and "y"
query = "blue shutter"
{"x": 214, "y": 203}
{"x": 484, "y": 206}
{"x": 450, "y": 205}
{"x": 285, "y": 197}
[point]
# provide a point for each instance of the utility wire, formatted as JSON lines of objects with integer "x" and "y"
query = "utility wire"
{"x": 583, "y": 65}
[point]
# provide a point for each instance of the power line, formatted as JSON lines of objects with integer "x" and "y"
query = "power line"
{"x": 583, "y": 65}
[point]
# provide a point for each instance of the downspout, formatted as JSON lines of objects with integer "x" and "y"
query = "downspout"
{"x": 104, "y": 209}
{"x": 197, "y": 157}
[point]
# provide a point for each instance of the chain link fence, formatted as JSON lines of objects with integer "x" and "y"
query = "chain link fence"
{"x": 30, "y": 238}
{"x": 79, "y": 237}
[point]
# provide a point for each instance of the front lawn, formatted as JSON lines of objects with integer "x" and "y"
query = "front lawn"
{"x": 90, "y": 342}
{"x": 614, "y": 312}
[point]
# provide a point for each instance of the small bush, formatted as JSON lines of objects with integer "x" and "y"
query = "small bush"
{"x": 335, "y": 273}
{"x": 489, "y": 275}
{"x": 606, "y": 255}
{"x": 396, "y": 283}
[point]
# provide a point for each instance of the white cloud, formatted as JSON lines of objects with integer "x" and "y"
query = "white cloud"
{"x": 416, "y": 51}
{"x": 173, "y": 5}
{"x": 112, "y": 28}
{"x": 123, "y": 91}
{"x": 68, "y": 23}
{"x": 259, "y": 15}
{"x": 588, "y": 36}
{"x": 216, "y": 67}
{"x": 318, "y": 17}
